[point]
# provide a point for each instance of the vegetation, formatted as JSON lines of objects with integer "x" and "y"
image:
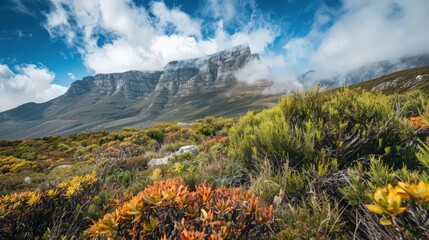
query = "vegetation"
{"x": 345, "y": 164}
{"x": 169, "y": 210}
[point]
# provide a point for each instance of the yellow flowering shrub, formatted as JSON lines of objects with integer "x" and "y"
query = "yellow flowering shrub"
{"x": 30, "y": 214}
{"x": 391, "y": 201}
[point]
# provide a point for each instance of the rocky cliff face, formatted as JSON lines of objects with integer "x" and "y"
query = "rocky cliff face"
{"x": 201, "y": 75}
{"x": 131, "y": 84}
{"x": 177, "y": 80}
{"x": 183, "y": 90}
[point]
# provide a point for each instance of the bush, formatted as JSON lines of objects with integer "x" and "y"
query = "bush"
{"x": 30, "y": 215}
{"x": 16, "y": 165}
{"x": 169, "y": 210}
{"x": 309, "y": 127}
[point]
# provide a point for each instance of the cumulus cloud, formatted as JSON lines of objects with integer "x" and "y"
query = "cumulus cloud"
{"x": 26, "y": 83}
{"x": 361, "y": 33}
{"x": 118, "y": 35}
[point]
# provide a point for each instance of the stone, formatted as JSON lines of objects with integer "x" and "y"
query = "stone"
{"x": 189, "y": 148}
{"x": 159, "y": 161}
{"x": 165, "y": 160}
{"x": 183, "y": 124}
{"x": 63, "y": 166}
{"x": 27, "y": 179}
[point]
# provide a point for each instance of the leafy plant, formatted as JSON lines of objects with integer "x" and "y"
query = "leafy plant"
{"x": 30, "y": 214}
{"x": 169, "y": 210}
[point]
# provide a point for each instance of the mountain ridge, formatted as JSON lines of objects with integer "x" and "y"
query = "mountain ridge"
{"x": 140, "y": 98}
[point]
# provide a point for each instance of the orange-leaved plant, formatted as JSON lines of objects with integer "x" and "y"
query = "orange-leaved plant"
{"x": 170, "y": 210}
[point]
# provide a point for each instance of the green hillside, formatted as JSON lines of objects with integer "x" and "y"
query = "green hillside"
{"x": 345, "y": 164}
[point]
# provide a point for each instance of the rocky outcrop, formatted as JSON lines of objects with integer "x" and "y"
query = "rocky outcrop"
{"x": 131, "y": 84}
{"x": 183, "y": 91}
{"x": 201, "y": 75}
{"x": 401, "y": 82}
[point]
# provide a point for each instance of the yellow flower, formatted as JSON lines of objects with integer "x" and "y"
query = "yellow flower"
{"x": 386, "y": 202}
{"x": 34, "y": 199}
{"x": 52, "y": 193}
{"x": 156, "y": 174}
{"x": 177, "y": 167}
{"x": 63, "y": 185}
{"x": 75, "y": 187}
{"x": 419, "y": 193}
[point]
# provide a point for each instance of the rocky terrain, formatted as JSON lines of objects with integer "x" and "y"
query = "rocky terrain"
{"x": 182, "y": 91}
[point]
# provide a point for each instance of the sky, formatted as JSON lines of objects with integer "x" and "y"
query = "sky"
{"x": 45, "y": 45}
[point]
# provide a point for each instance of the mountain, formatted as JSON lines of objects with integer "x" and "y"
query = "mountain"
{"x": 409, "y": 80}
{"x": 183, "y": 91}
{"x": 369, "y": 71}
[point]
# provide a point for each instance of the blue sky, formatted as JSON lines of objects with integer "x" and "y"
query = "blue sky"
{"x": 47, "y": 44}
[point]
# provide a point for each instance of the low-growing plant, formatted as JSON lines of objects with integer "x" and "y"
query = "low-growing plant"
{"x": 30, "y": 215}
{"x": 313, "y": 218}
{"x": 169, "y": 210}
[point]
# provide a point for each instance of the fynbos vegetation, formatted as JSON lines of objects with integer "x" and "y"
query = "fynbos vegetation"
{"x": 348, "y": 164}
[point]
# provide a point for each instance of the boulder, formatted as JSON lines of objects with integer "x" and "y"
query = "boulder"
{"x": 183, "y": 124}
{"x": 188, "y": 148}
{"x": 63, "y": 166}
{"x": 27, "y": 179}
{"x": 159, "y": 161}
{"x": 182, "y": 150}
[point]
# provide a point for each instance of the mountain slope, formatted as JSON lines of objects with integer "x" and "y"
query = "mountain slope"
{"x": 415, "y": 79}
{"x": 183, "y": 91}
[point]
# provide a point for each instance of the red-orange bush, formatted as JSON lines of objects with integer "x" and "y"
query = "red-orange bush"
{"x": 169, "y": 210}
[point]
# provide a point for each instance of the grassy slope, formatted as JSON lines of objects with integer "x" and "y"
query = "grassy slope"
{"x": 403, "y": 77}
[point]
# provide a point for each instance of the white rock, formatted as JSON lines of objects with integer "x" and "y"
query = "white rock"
{"x": 188, "y": 148}
{"x": 63, "y": 166}
{"x": 159, "y": 161}
{"x": 164, "y": 160}
{"x": 27, "y": 179}
{"x": 183, "y": 124}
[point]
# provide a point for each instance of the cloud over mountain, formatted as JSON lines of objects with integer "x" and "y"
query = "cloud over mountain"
{"x": 26, "y": 83}
{"x": 118, "y": 35}
{"x": 362, "y": 32}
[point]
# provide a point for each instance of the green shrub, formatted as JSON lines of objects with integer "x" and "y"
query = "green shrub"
{"x": 155, "y": 133}
{"x": 308, "y": 127}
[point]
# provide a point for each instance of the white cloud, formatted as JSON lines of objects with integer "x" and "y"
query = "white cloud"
{"x": 71, "y": 76}
{"x": 298, "y": 49}
{"x": 174, "y": 17}
{"x": 117, "y": 35}
{"x": 27, "y": 83}
{"x": 363, "y": 32}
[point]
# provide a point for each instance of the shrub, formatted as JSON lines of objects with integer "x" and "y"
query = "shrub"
{"x": 309, "y": 127}
{"x": 155, "y": 133}
{"x": 30, "y": 215}
{"x": 169, "y": 210}
{"x": 15, "y": 165}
